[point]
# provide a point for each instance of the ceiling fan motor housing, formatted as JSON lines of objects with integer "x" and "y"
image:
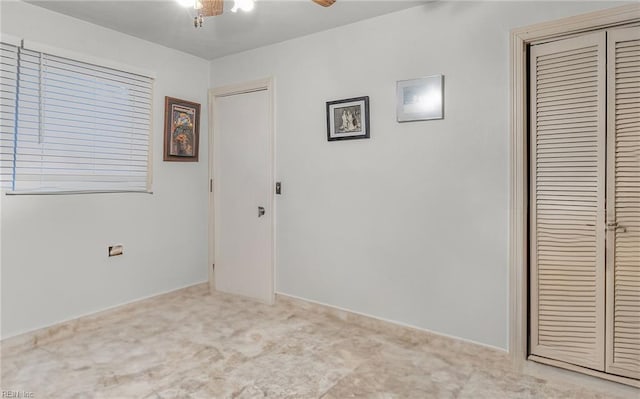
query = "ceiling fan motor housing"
{"x": 211, "y": 8}
{"x": 324, "y": 3}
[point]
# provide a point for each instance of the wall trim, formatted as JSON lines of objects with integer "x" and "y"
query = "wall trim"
{"x": 380, "y": 323}
{"x": 585, "y": 370}
{"x": 88, "y": 321}
{"x": 489, "y": 353}
{"x": 520, "y": 39}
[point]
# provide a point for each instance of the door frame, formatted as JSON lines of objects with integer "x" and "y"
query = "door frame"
{"x": 520, "y": 39}
{"x": 266, "y": 84}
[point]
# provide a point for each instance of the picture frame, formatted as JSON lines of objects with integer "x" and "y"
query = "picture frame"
{"x": 348, "y": 119}
{"x": 181, "y": 130}
{"x": 420, "y": 99}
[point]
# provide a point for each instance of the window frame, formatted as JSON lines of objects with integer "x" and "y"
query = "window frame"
{"x": 100, "y": 63}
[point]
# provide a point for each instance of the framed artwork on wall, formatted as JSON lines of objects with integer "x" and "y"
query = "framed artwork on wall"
{"x": 348, "y": 119}
{"x": 181, "y": 130}
{"x": 420, "y": 99}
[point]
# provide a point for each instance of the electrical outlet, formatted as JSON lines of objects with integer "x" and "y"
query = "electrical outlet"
{"x": 115, "y": 250}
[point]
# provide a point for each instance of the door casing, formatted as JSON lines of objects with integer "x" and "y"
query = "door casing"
{"x": 266, "y": 84}
{"x": 520, "y": 40}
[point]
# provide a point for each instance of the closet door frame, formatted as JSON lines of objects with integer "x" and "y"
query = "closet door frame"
{"x": 521, "y": 39}
{"x": 612, "y": 231}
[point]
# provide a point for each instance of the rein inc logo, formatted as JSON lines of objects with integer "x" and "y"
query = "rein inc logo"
{"x": 17, "y": 394}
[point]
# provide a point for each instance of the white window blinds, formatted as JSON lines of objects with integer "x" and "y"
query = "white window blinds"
{"x": 8, "y": 85}
{"x": 70, "y": 126}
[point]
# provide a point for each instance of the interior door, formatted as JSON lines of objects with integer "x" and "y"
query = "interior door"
{"x": 567, "y": 200}
{"x": 623, "y": 203}
{"x": 242, "y": 186}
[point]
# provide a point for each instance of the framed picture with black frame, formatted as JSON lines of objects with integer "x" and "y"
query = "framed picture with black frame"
{"x": 348, "y": 119}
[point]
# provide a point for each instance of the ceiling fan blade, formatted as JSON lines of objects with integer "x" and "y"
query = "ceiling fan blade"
{"x": 211, "y": 8}
{"x": 325, "y": 3}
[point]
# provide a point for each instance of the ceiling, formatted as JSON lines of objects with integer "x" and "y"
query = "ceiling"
{"x": 167, "y": 23}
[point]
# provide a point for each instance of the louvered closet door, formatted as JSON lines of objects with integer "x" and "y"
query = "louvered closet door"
{"x": 568, "y": 80}
{"x": 623, "y": 203}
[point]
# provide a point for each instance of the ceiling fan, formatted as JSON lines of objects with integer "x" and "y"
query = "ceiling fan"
{"x": 211, "y": 8}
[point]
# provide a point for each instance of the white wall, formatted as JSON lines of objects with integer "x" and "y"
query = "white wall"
{"x": 411, "y": 225}
{"x": 54, "y": 263}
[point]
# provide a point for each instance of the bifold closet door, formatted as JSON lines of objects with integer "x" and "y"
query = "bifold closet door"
{"x": 567, "y": 275}
{"x": 623, "y": 203}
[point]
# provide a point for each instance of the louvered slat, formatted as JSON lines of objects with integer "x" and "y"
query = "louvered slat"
{"x": 567, "y": 200}
{"x": 8, "y": 78}
{"x": 623, "y": 193}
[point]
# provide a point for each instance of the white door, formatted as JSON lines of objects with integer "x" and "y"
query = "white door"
{"x": 568, "y": 199}
{"x": 623, "y": 204}
{"x": 243, "y": 194}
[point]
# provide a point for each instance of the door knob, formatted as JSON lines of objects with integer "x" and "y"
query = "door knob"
{"x": 616, "y": 227}
{"x": 260, "y": 211}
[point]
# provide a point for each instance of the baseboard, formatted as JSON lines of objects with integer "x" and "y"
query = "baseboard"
{"x": 602, "y": 377}
{"x": 417, "y": 334}
{"x": 87, "y": 322}
{"x": 406, "y": 331}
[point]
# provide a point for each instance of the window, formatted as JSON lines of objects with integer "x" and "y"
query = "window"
{"x": 71, "y": 126}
